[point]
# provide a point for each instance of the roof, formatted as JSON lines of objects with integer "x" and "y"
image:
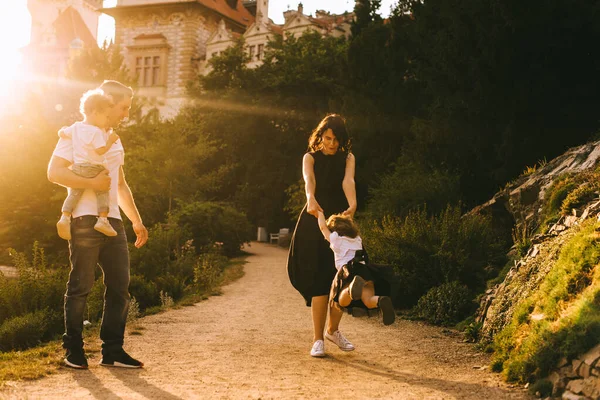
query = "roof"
{"x": 238, "y": 14}
{"x": 69, "y": 26}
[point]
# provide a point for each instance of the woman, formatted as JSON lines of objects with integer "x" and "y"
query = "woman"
{"x": 328, "y": 170}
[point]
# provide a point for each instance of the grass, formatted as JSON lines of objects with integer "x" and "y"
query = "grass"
{"x": 560, "y": 319}
{"x": 47, "y": 359}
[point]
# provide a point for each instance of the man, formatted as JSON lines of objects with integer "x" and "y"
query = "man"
{"x": 89, "y": 247}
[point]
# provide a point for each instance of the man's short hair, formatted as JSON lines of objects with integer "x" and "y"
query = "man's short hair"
{"x": 116, "y": 90}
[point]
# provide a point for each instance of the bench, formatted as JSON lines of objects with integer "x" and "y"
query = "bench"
{"x": 276, "y": 236}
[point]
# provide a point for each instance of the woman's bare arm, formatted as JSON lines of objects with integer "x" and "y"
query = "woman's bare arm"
{"x": 349, "y": 186}
{"x": 308, "y": 171}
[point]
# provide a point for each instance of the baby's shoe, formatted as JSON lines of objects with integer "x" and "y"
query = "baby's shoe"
{"x": 103, "y": 226}
{"x": 63, "y": 226}
{"x": 387, "y": 310}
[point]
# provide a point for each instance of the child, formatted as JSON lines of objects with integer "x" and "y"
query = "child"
{"x": 90, "y": 144}
{"x": 355, "y": 279}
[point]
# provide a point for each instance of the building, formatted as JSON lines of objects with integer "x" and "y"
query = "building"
{"x": 257, "y": 36}
{"x": 163, "y": 41}
{"x": 59, "y": 30}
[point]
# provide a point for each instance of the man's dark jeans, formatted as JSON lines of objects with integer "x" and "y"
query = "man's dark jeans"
{"x": 88, "y": 248}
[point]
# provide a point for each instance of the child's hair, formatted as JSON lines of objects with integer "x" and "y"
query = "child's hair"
{"x": 344, "y": 226}
{"x": 94, "y": 101}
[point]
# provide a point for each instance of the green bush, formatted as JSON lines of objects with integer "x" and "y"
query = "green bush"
{"x": 578, "y": 197}
{"x": 145, "y": 292}
{"x": 208, "y": 270}
{"x": 428, "y": 251}
{"x": 37, "y": 287}
{"x": 409, "y": 187}
{"x": 211, "y": 223}
{"x": 445, "y": 304}
{"x": 22, "y": 332}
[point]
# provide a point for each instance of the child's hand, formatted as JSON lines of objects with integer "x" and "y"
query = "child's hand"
{"x": 113, "y": 137}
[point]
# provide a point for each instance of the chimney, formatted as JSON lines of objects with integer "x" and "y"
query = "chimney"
{"x": 262, "y": 11}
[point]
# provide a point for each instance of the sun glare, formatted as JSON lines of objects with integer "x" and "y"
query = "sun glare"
{"x": 15, "y": 23}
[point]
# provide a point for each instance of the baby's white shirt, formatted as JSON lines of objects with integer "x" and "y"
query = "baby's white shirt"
{"x": 344, "y": 248}
{"x": 86, "y": 139}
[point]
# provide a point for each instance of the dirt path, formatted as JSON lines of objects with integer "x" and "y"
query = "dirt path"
{"x": 253, "y": 342}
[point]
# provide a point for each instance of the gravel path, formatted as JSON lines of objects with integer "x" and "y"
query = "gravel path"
{"x": 253, "y": 342}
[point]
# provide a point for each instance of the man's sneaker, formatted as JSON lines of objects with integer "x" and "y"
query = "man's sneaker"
{"x": 387, "y": 310}
{"x": 318, "y": 349}
{"x": 104, "y": 226}
{"x": 339, "y": 339}
{"x": 63, "y": 226}
{"x": 120, "y": 359}
{"x": 76, "y": 359}
{"x": 356, "y": 287}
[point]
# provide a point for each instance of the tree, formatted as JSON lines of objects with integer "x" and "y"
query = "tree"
{"x": 96, "y": 64}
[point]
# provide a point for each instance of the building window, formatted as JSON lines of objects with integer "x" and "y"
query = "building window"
{"x": 147, "y": 69}
{"x": 251, "y": 52}
{"x": 261, "y": 52}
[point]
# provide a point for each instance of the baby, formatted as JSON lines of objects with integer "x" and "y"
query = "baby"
{"x": 355, "y": 277}
{"x": 90, "y": 144}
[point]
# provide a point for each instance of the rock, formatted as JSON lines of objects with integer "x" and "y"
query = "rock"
{"x": 596, "y": 371}
{"x": 576, "y": 364}
{"x": 584, "y": 370}
{"x": 592, "y": 356}
{"x": 535, "y": 251}
{"x": 570, "y": 220}
{"x": 562, "y": 362}
{"x": 568, "y": 372}
{"x": 591, "y": 387}
{"x": 572, "y": 396}
{"x": 559, "y": 382}
{"x": 575, "y": 386}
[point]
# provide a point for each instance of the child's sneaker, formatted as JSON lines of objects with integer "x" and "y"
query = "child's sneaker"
{"x": 387, "y": 310}
{"x": 356, "y": 287}
{"x": 63, "y": 226}
{"x": 103, "y": 226}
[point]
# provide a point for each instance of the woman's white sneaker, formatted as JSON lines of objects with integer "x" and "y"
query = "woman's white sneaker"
{"x": 339, "y": 339}
{"x": 318, "y": 349}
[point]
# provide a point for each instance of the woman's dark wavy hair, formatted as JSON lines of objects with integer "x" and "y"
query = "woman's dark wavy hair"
{"x": 337, "y": 124}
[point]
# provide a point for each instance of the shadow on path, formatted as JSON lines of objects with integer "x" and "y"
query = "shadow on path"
{"x": 87, "y": 380}
{"x": 131, "y": 379}
{"x": 450, "y": 387}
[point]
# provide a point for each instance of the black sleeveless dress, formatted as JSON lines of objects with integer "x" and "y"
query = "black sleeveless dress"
{"x": 311, "y": 265}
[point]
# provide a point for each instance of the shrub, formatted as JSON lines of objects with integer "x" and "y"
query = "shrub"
{"x": 409, "y": 187}
{"x": 211, "y": 223}
{"x": 208, "y": 270}
{"x": 578, "y": 197}
{"x": 428, "y": 251}
{"x": 445, "y": 304}
{"x": 37, "y": 287}
{"x": 22, "y": 332}
{"x": 145, "y": 292}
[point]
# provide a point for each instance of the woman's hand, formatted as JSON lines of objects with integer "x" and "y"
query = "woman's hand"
{"x": 349, "y": 212}
{"x": 313, "y": 207}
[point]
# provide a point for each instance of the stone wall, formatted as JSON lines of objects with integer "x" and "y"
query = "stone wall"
{"x": 186, "y": 31}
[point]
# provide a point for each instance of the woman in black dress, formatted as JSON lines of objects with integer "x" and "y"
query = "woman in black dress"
{"x": 328, "y": 170}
